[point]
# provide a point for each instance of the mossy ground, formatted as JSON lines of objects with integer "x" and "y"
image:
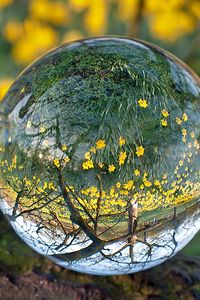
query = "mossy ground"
{"x": 23, "y": 273}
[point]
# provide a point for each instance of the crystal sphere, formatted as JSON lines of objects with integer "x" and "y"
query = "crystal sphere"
{"x": 99, "y": 155}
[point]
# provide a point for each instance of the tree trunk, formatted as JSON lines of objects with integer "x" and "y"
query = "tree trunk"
{"x": 27, "y": 275}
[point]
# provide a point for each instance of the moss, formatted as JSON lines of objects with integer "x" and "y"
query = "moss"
{"x": 15, "y": 256}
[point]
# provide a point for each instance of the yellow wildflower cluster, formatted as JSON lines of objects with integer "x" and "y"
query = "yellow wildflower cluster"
{"x": 46, "y": 22}
{"x": 88, "y": 164}
{"x": 127, "y": 10}
{"x": 4, "y": 3}
{"x": 174, "y": 12}
{"x": 160, "y": 25}
{"x": 129, "y": 185}
{"x": 184, "y": 118}
{"x": 56, "y": 162}
{"x": 13, "y": 30}
{"x": 152, "y": 193}
{"x": 58, "y": 13}
{"x": 35, "y": 40}
{"x": 95, "y": 19}
{"x": 146, "y": 182}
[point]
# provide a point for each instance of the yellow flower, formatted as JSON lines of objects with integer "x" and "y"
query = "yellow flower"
{"x": 122, "y": 157}
{"x": 178, "y": 121}
{"x": 122, "y": 141}
{"x": 170, "y": 25}
{"x": 88, "y": 164}
{"x": 184, "y": 139}
{"x": 196, "y": 145}
{"x": 165, "y": 113}
{"x": 184, "y": 132}
{"x": 118, "y": 184}
{"x": 51, "y": 11}
{"x": 4, "y": 86}
{"x": 157, "y": 182}
{"x": 195, "y": 8}
{"x": 66, "y": 159}
{"x": 192, "y": 134}
{"x": 123, "y": 192}
{"x": 27, "y": 182}
{"x": 4, "y": 3}
{"x": 64, "y": 147}
{"x": 93, "y": 150}
{"x": 180, "y": 163}
{"x": 184, "y": 117}
{"x": 163, "y": 122}
{"x": 14, "y": 160}
{"x": 51, "y": 186}
{"x": 101, "y": 165}
{"x": 29, "y": 124}
{"x": 111, "y": 168}
{"x": 79, "y": 5}
{"x": 129, "y": 185}
{"x": 125, "y": 11}
{"x": 147, "y": 183}
{"x": 95, "y": 17}
{"x": 45, "y": 185}
{"x": 137, "y": 172}
{"x": 165, "y": 176}
{"x": 56, "y": 162}
{"x": 100, "y": 144}
{"x": 13, "y": 30}
{"x": 42, "y": 129}
{"x": 35, "y": 40}
{"x": 143, "y": 103}
{"x": 87, "y": 155}
{"x": 145, "y": 175}
{"x": 139, "y": 151}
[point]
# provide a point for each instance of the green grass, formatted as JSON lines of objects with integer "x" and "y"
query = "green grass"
{"x": 193, "y": 248}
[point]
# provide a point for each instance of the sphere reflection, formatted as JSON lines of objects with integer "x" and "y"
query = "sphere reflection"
{"x": 99, "y": 155}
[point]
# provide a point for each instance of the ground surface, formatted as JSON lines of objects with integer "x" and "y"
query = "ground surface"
{"x": 25, "y": 275}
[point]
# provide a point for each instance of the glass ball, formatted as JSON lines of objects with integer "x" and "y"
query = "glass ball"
{"x": 99, "y": 155}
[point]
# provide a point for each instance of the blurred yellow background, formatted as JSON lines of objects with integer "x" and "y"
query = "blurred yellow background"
{"x": 28, "y": 28}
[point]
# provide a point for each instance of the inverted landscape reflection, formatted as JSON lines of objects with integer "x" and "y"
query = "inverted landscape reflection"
{"x": 99, "y": 155}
